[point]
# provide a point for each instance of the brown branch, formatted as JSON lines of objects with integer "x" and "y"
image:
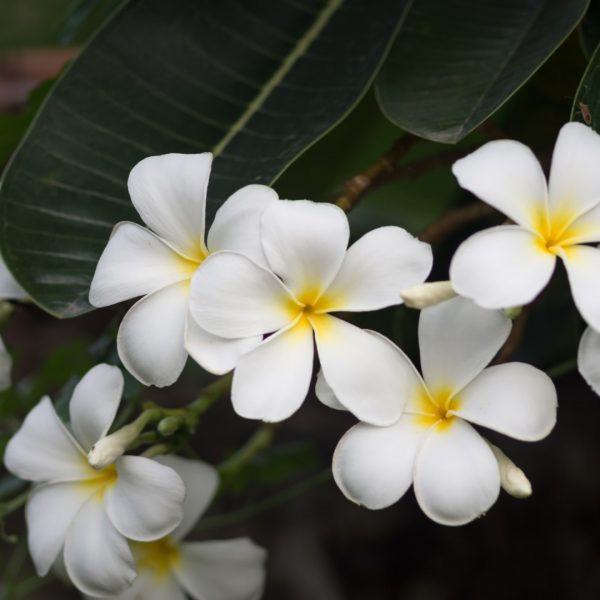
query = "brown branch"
{"x": 515, "y": 337}
{"x": 453, "y": 220}
{"x": 354, "y": 189}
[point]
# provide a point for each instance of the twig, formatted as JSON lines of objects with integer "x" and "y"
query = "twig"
{"x": 354, "y": 189}
{"x": 515, "y": 337}
{"x": 455, "y": 219}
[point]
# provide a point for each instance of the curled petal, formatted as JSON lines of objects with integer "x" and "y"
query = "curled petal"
{"x": 237, "y": 222}
{"x": 151, "y": 336}
{"x": 588, "y": 358}
{"x": 169, "y": 192}
{"x": 94, "y": 403}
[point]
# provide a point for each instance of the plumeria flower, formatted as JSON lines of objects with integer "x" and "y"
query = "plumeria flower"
{"x": 173, "y": 569}
{"x": 509, "y": 265}
{"x": 9, "y": 290}
{"x": 310, "y": 275}
{"x": 86, "y": 512}
{"x": 156, "y": 335}
{"x": 455, "y": 472}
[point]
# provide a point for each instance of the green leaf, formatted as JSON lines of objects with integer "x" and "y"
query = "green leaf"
{"x": 455, "y": 63}
{"x": 254, "y": 82}
{"x": 589, "y": 30}
{"x": 586, "y": 106}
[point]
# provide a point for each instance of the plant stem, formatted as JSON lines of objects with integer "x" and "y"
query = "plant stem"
{"x": 259, "y": 441}
{"x": 248, "y": 512}
{"x": 9, "y": 506}
{"x": 562, "y": 368}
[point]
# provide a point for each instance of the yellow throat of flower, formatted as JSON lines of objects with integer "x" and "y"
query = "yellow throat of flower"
{"x": 437, "y": 407}
{"x": 556, "y": 230}
{"x": 159, "y": 557}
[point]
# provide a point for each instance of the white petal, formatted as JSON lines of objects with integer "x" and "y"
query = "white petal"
{"x": 377, "y": 268}
{"x": 584, "y": 229}
{"x": 201, "y": 481}
{"x": 588, "y": 358}
{"x": 134, "y": 263}
{"x": 49, "y": 512}
{"x": 233, "y": 297}
{"x": 43, "y": 449}
{"x": 151, "y": 336}
{"x": 10, "y": 289}
{"x": 94, "y": 403}
{"x": 457, "y": 477}
{"x": 150, "y": 586}
{"x": 213, "y": 353}
{"x": 501, "y": 267}
{"x": 271, "y": 382}
{"x": 237, "y": 222}
{"x": 169, "y": 192}
{"x": 97, "y": 557}
{"x": 583, "y": 269}
{"x": 369, "y": 375}
{"x": 222, "y": 570}
{"x": 457, "y": 340}
{"x": 506, "y": 175}
{"x": 325, "y": 394}
{"x": 373, "y": 466}
{"x": 5, "y": 367}
{"x": 514, "y": 398}
{"x": 574, "y": 177}
{"x": 305, "y": 243}
{"x": 146, "y": 501}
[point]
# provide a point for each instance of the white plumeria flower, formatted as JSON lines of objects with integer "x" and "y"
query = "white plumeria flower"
{"x": 509, "y": 265}
{"x": 311, "y": 274}
{"x": 89, "y": 512}
{"x": 455, "y": 473}
{"x": 9, "y": 290}
{"x": 173, "y": 569}
{"x": 169, "y": 193}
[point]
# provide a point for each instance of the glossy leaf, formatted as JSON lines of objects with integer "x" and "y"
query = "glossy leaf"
{"x": 455, "y": 63}
{"x": 254, "y": 82}
{"x": 586, "y": 106}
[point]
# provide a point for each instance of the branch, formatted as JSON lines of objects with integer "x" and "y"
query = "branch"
{"x": 354, "y": 189}
{"x": 515, "y": 337}
{"x": 455, "y": 219}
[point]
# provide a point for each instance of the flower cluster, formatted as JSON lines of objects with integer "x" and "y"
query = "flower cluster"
{"x": 267, "y": 292}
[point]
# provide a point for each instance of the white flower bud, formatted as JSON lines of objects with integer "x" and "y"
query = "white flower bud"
{"x": 106, "y": 450}
{"x": 427, "y": 294}
{"x": 512, "y": 479}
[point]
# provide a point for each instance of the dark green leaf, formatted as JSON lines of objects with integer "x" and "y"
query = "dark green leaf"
{"x": 589, "y": 30}
{"x": 254, "y": 82}
{"x": 586, "y": 107}
{"x": 455, "y": 63}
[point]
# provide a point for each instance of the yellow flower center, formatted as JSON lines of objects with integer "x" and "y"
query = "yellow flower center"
{"x": 437, "y": 407}
{"x": 159, "y": 557}
{"x": 557, "y": 231}
{"x": 99, "y": 480}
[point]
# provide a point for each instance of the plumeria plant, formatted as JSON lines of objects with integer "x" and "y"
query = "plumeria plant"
{"x": 192, "y": 178}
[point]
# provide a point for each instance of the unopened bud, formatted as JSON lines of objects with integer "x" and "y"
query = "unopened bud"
{"x": 169, "y": 425}
{"x": 513, "y": 312}
{"x": 106, "y": 450}
{"x": 427, "y": 294}
{"x": 512, "y": 479}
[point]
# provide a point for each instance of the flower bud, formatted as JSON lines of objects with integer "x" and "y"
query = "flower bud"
{"x": 427, "y": 294}
{"x": 512, "y": 479}
{"x": 106, "y": 450}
